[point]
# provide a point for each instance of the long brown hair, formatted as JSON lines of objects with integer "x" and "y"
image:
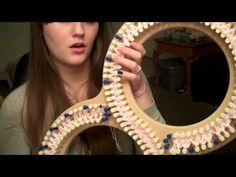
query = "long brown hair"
{"x": 46, "y": 96}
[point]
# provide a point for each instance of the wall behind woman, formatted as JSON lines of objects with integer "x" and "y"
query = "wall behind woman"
{"x": 14, "y": 41}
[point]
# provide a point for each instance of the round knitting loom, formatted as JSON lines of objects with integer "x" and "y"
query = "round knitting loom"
{"x": 115, "y": 105}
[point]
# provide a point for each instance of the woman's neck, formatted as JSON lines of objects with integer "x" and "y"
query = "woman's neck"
{"x": 75, "y": 80}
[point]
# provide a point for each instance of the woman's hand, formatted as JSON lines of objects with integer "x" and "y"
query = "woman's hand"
{"x": 131, "y": 70}
{"x": 131, "y": 66}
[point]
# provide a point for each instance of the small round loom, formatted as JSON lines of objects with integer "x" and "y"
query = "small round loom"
{"x": 115, "y": 105}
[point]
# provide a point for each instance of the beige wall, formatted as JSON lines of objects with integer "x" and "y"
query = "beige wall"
{"x": 14, "y": 41}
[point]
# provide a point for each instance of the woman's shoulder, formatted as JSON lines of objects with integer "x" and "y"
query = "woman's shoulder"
{"x": 12, "y": 134}
{"x": 15, "y": 97}
{"x": 13, "y": 104}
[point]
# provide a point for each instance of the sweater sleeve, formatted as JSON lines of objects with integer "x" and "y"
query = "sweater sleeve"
{"x": 12, "y": 136}
{"x": 152, "y": 111}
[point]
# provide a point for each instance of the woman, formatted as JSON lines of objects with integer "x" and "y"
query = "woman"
{"x": 66, "y": 61}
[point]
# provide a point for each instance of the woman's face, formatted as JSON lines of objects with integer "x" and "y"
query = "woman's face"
{"x": 70, "y": 43}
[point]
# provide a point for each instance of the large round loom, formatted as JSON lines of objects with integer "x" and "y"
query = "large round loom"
{"x": 115, "y": 105}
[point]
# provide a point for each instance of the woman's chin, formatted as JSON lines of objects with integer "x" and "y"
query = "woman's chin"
{"x": 77, "y": 62}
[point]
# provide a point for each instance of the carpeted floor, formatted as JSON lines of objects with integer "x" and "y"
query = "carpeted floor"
{"x": 180, "y": 110}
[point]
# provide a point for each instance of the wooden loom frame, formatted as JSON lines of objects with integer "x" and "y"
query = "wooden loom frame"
{"x": 115, "y": 105}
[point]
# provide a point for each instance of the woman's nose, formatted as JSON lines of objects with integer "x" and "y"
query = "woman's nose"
{"x": 78, "y": 29}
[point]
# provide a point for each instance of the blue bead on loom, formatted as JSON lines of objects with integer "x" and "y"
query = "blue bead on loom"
{"x": 85, "y": 107}
{"x": 106, "y": 109}
{"x": 66, "y": 115}
{"x": 191, "y": 150}
{"x": 108, "y": 59}
{"x": 53, "y": 128}
{"x": 106, "y": 114}
{"x": 165, "y": 140}
{"x": 43, "y": 147}
{"x": 106, "y": 82}
{"x": 104, "y": 119}
{"x": 216, "y": 142}
{"x": 166, "y": 146}
{"x": 169, "y": 136}
{"x": 118, "y": 37}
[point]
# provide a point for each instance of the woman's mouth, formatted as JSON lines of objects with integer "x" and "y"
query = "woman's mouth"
{"x": 78, "y": 48}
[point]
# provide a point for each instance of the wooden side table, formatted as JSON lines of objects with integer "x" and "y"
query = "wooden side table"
{"x": 189, "y": 51}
